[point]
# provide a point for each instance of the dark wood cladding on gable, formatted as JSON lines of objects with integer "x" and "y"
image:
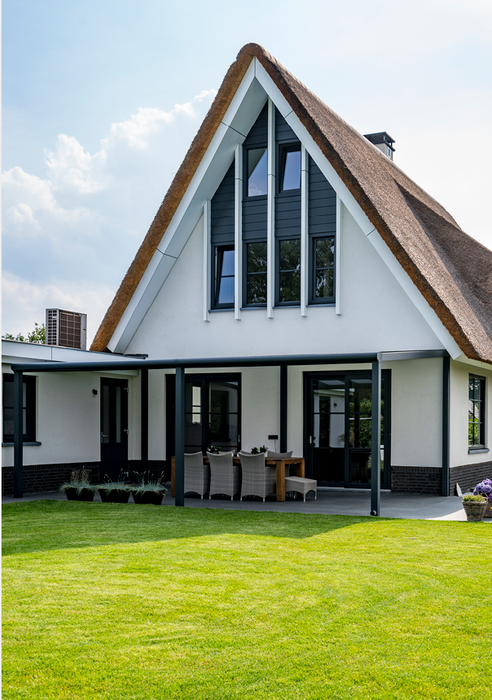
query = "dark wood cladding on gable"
{"x": 258, "y": 134}
{"x": 288, "y": 215}
{"x": 222, "y": 211}
{"x": 283, "y": 132}
{"x": 255, "y": 218}
{"x": 287, "y": 204}
{"x": 322, "y": 203}
{"x": 255, "y": 208}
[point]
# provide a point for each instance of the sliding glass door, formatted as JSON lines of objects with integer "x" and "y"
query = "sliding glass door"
{"x": 338, "y": 425}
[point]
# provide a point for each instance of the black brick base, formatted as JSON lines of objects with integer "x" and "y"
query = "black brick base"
{"x": 468, "y": 476}
{"x": 44, "y": 477}
{"x": 426, "y": 480}
{"x": 49, "y": 477}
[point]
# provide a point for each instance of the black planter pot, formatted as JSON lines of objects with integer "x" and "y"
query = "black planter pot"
{"x": 83, "y": 495}
{"x": 148, "y": 497}
{"x": 114, "y": 496}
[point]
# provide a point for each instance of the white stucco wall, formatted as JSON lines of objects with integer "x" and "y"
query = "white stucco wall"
{"x": 376, "y": 313}
{"x": 68, "y": 419}
{"x": 416, "y": 409}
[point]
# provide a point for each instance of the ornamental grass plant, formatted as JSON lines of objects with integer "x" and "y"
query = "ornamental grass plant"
{"x": 103, "y": 601}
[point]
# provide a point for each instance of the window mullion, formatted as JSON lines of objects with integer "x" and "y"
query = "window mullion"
{"x": 304, "y": 231}
{"x": 207, "y": 281}
{"x": 238, "y": 205}
{"x": 338, "y": 258}
{"x": 271, "y": 211}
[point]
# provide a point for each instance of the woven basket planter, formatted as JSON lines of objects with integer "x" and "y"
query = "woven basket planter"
{"x": 488, "y": 510}
{"x": 474, "y": 511}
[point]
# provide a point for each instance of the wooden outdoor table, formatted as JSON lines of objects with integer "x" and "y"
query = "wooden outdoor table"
{"x": 279, "y": 464}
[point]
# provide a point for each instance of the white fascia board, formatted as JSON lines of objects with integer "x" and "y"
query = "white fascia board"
{"x": 356, "y": 212}
{"x": 240, "y": 116}
{"x": 484, "y": 366}
{"x": 16, "y": 352}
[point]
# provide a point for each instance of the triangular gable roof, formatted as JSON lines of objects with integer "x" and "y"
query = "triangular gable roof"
{"x": 452, "y": 271}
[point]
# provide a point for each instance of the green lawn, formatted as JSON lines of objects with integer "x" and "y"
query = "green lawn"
{"x": 125, "y": 601}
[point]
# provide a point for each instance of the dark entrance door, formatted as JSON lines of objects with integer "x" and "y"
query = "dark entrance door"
{"x": 338, "y": 424}
{"x": 114, "y": 427}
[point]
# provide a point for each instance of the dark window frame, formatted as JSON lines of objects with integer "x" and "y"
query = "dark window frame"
{"x": 218, "y": 249}
{"x": 282, "y": 150}
{"x": 29, "y": 407}
{"x": 246, "y": 149}
{"x": 278, "y": 242}
{"x": 480, "y": 423}
{"x": 312, "y": 298}
{"x": 245, "y": 304}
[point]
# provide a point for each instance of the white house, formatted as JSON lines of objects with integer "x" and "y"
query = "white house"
{"x": 291, "y": 276}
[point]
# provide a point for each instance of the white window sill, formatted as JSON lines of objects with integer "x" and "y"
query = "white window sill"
{"x": 24, "y": 444}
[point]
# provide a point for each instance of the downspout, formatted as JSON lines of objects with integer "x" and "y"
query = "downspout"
{"x": 376, "y": 437}
{"x": 18, "y": 432}
{"x": 179, "y": 437}
{"x": 144, "y": 414}
{"x": 446, "y": 367}
{"x": 283, "y": 408}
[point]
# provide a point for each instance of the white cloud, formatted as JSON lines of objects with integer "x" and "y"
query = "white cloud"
{"x": 70, "y": 166}
{"x": 26, "y": 196}
{"x": 70, "y": 234}
{"x": 28, "y": 302}
{"x": 137, "y": 130}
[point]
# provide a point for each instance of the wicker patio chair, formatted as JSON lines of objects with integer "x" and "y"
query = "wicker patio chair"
{"x": 196, "y": 474}
{"x": 281, "y": 455}
{"x": 224, "y": 475}
{"x": 257, "y": 478}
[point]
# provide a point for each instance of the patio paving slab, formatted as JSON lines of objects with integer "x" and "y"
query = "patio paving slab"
{"x": 329, "y": 501}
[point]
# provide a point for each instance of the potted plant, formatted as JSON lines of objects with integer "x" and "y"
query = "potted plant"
{"x": 114, "y": 491}
{"x": 484, "y": 488}
{"x": 79, "y": 488}
{"x": 148, "y": 489}
{"x": 214, "y": 449}
{"x": 259, "y": 450}
{"x": 474, "y": 505}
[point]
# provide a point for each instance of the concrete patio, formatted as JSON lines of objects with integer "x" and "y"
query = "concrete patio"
{"x": 329, "y": 501}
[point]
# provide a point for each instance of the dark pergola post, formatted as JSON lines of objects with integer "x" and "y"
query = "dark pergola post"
{"x": 18, "y": 432}
{"x": 283, "y": 408}
{"x": 446, "y": 363}
{"x": 144, "y": 400}
{"x": 180, "y": 436}
{"x": 376, "y": 439}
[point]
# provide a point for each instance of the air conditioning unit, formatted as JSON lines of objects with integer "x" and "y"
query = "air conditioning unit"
{"x": 67, "y": 329}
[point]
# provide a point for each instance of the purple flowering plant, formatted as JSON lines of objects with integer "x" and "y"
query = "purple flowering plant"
{"x": 484, "y": 488}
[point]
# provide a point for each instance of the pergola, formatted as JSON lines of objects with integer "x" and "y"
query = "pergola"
{"x": 282, "y": 361}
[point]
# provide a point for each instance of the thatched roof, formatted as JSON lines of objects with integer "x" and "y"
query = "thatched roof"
{"x": 452, "y": 271}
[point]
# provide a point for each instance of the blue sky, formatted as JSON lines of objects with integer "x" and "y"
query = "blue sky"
{"x": 101, "y": 100}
